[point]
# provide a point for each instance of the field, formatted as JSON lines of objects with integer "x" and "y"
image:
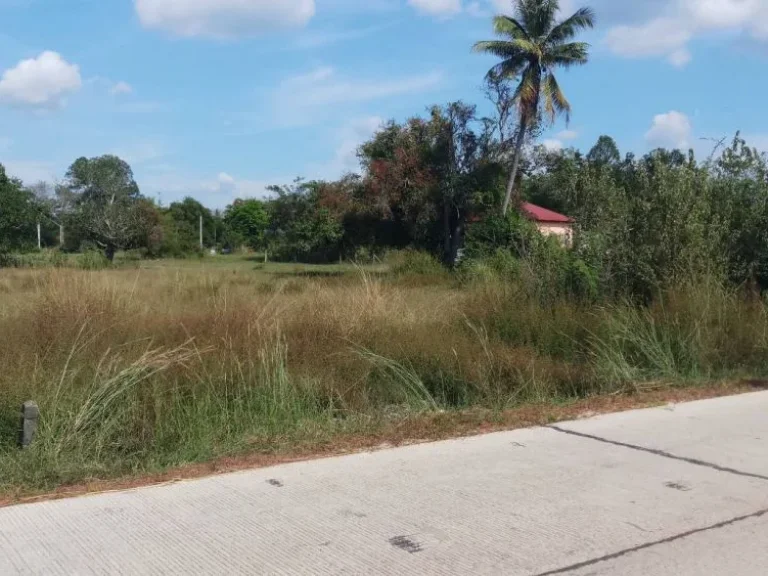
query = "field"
{"x": 155, "y": 365}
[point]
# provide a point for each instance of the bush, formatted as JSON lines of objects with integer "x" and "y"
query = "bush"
{"x": 582, "y": 280}
{"x": 92, "y": 260}
{"x": 8, "y": 260}
{"x": 134, "y": 255}
{"x": 367, "y": 254}
{"x": 57, "y": 258}
{"x": 501, "y": 265}
{"x": 414, "y": 263}
{"x": 495, "y": 232}
{"x": 702, "y": 329}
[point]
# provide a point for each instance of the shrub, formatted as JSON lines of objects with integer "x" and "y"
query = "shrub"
{"x": 501, "y": 265}
{"x": 8, "y": 260}
{"x": 58, "y": 259}
{"x": 367, "y": 254}
{"x": 496, "y": 232}
{"x": 414, "y": 263}
{"x": 582, "y": 280}
{"x": 92, "y": 260}
{"x": 134, "y": 255}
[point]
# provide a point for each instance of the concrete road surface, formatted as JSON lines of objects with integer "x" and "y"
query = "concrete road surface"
{"x": 679, "y": 490}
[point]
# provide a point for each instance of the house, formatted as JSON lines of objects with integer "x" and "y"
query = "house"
{"x": 550, "y": 223}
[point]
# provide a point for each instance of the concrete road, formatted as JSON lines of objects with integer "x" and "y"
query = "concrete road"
{"x": 679, "y": 490}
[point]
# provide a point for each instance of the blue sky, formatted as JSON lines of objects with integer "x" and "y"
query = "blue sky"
{"x": 218, "y": 98}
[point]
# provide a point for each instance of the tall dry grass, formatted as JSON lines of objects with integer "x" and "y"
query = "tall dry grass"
{"x": 137, "y": 370}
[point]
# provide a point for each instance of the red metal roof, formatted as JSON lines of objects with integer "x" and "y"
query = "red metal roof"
{"x": 539, "y": 214}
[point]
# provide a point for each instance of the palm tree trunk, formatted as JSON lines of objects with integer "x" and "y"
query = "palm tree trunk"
{"x": 515, "y": 164}
{"x": 446, "y": 232}
{"x": 457, "y": 238}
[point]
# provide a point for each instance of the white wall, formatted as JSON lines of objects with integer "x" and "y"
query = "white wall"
{"x": 563, "y": 231}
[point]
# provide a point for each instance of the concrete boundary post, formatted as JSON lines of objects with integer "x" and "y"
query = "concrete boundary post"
{"x": 30, "y": 413}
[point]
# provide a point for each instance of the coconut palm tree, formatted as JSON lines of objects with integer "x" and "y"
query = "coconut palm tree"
{"x": 532, "y": 45}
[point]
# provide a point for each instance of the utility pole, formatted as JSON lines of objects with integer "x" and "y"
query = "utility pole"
{"x": 201, "y": 232}
{"x": 61, "y": 235}
{"x": 39, "y": 237}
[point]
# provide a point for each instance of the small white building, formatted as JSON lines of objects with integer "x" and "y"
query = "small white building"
{"x": 550, "y": 223}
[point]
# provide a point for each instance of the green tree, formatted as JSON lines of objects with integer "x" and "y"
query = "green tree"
{"x": 401, "y": 184}
{"x": 532, "y": 45}
{"x": 185, "y": 216}
{"x": 300, "y": 227}
{"x": 247, "y": 221}
{"x": 44, "y": 194}
{"x": 461, "y": 156}
{"x": 18, "y": 214}
{"x": 106, "y": 199}
{"x": 605, "y": 152}
{"x": 740, "y": 207}
{"x": 425, "y": 177}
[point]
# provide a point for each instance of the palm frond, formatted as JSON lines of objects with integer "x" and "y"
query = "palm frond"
{"x": 509, "y": 27}
{"x": 537, "y": 16}
{"x": 582, "y": 19}
{"x": 528, "y": 91}
{"x": 516, "y": 48}
{"x": 555, "y": 102}
{"x": 566, "y": 55}
{"x": 509, "y": 68}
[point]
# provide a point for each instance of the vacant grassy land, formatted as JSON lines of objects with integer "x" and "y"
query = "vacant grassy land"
{"x": 151, "y": 366}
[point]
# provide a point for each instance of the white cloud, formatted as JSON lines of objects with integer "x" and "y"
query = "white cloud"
{"x": 42, "y": 82}
{"x": 223, "y": 18}
{"x": 226, "y": 182}
{"x": 298, "y": 99}
{"x": 225, "y": 178}
{"x": 659, "y": 37}
{"x": 437, "y": 7}
{"x": 477, "y": 10}
{"x": 552, "y": 144}
{"x": 679, "y": 21}
{"x": 567, "y": 7}
{"x": 350, "y": 137}
{"x": 679, "y": 58}
{"x": 567, "y": 135}
{"x": 723, "y": 13}
{"x": 670, "y": 130}
{"x": 557, "y": 143}
{"x": 170, "y": 185}
{"x": 348, "y": 7}
{"x": 121, "y": 88}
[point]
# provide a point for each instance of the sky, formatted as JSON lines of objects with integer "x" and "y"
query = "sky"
{"x": 216, "y": 99}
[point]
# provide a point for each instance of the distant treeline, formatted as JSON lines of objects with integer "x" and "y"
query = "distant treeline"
{"x": 436, "y": 184}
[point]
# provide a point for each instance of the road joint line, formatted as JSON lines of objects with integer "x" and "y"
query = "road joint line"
{"x": 670, "y": 539}
{"x": 662, "y": 453}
